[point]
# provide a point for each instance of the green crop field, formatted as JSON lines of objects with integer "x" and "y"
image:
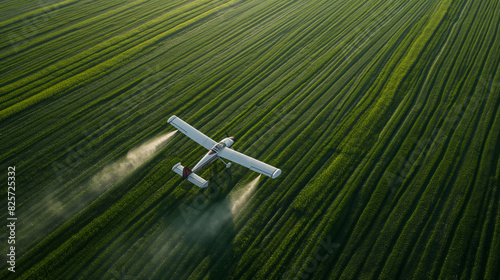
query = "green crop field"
{"x": 382, "y": 115}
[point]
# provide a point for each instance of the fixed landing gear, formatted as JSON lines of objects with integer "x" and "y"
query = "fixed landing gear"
{"x": 228, "y": 164}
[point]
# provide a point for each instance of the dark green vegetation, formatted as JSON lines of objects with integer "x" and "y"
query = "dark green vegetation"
{"x": 383, "y": 116}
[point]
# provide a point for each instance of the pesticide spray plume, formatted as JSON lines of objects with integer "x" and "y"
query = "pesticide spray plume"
{"x": 239, "y": 199}
{"x": 57, "y": 209}
{"x": 220, "y": 213}
{"x": 113, "y": 173}
{"x": 204, "y": 226}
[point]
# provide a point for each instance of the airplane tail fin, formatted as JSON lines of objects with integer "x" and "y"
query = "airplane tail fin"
{"x": 187, "y": 174}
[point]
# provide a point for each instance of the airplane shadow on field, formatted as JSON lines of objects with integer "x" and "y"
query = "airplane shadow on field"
{"x": 204, "y": 225}
{"x": 223, "y": 256}
{"x": 214, "y": 231}
{"x": 213, "y": 234}
{"x": 191, "y": 238}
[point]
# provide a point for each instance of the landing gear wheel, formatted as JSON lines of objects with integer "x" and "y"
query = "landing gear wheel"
{"x": 228, "y": 165}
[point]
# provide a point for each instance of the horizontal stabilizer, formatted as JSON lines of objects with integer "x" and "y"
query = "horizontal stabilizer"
{"x": 193, "y": 178}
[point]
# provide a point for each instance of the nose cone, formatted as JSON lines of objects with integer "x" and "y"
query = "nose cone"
{"x": 232, "y": 138}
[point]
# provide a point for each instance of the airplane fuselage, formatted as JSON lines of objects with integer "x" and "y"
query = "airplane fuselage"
{"x": 211, "y": 156}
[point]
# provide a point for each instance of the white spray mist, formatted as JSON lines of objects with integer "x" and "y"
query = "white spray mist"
{"x": 239, "y": 198}
{"x": 55, "y": 210}
{"x": 114, "y": 172}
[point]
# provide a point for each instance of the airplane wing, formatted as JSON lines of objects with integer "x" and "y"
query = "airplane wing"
{"x": 249, "y": 162}
{"x": 192, "y": 132}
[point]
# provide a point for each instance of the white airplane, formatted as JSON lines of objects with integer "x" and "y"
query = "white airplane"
{"x": 216, "y": 151}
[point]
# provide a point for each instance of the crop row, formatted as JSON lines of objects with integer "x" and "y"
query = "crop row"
{"x": 383, "y": 116}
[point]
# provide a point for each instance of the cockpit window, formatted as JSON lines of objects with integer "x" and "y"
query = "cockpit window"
{"x": 218, "y": 147}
